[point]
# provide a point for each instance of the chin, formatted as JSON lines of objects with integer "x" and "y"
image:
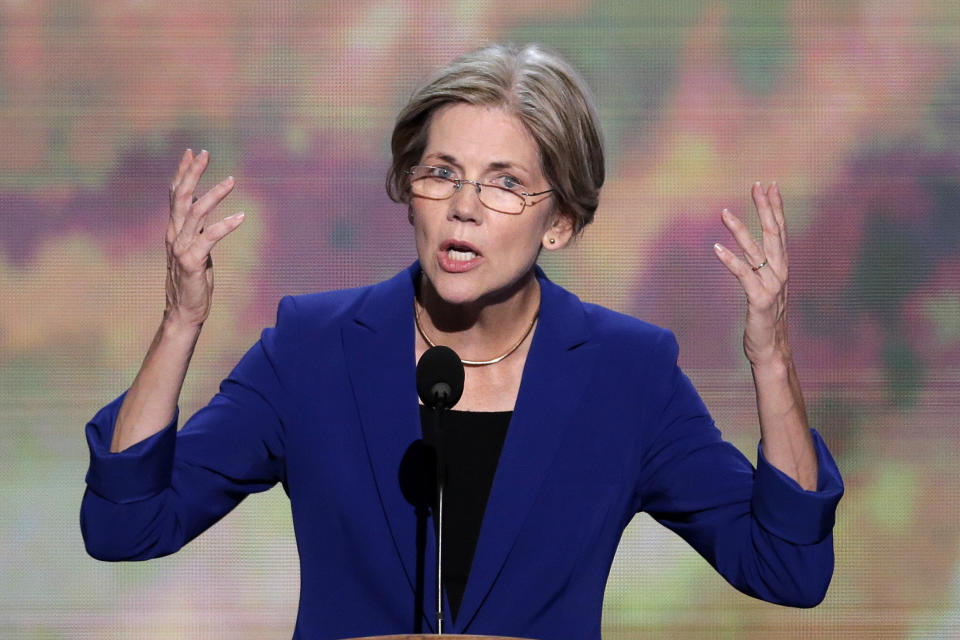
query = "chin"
{"x": 456, "y": 289}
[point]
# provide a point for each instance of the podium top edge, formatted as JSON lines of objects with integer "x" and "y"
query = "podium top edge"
{"x": 429, "y": 636}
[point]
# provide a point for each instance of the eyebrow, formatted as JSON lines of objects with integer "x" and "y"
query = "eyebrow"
{"x": 445, "y": 158}
{"x": 493, "y": 166}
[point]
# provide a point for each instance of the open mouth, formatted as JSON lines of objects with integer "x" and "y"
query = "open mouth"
{"x": 459, "y": 251}
{"x": 460, "y": 256}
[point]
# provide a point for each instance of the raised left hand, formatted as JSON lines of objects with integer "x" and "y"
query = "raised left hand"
{"x": 762, "y": 271}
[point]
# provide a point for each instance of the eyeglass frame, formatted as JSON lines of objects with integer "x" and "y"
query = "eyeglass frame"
{"x": 459, "y": 182}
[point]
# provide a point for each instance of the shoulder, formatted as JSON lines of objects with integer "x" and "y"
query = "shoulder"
{"x": 621, "y": 332}
{"x": 610, "y": 330}
{"x": 329, "y": 305}
{"x": 315, "y": 312}
{"x": 606, "y": 322}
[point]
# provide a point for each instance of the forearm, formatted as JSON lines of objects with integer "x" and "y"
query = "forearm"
{"x": 151, "y": 401}
{"x": 784, "y": 430}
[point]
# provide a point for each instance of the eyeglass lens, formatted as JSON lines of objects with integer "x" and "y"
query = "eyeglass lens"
{"x": 425, "y": 183}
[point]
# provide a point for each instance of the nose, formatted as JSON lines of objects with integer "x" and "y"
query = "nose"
{"x": 465, "y": 204}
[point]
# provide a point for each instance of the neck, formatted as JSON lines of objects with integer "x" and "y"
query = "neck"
{"x": 484, "y": 328}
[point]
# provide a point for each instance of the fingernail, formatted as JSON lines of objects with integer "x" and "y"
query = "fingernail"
{"x": 237, "y": 216}
{"x": 757, "y": 183}
{"x": 717, "y": 247}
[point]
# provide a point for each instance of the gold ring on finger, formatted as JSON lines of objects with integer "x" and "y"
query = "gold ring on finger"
{"x": 759, "y": 266}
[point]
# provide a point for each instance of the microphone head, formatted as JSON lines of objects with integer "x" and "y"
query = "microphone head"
{"x": 439, "y": 377}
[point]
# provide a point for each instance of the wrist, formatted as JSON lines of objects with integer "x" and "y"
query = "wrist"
{"x": 775, "y": 362}
{"x": 176, "y": 326}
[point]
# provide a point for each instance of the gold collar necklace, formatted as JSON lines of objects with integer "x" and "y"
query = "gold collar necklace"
{"x": 474, "y": 363}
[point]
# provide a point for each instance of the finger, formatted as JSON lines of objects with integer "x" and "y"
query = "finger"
{"x": 776, "y": 201}
{"x": 185, "y": 161}
{"x": 206, "y": 204}
{"x": 770, "y": 228}
{"x": 743, "y": 238}
{"x": 183, "y": 195}
{"x": 767, "y": 220}
{"x": 215, "y": 232}
{"x": 752, "y": 285}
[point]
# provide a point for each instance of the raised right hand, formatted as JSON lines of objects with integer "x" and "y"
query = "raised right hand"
{"x": 188, "y": 243}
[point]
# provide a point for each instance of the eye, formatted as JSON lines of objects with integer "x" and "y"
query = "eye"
{"x": 507, "y": 181}
{"x": 441, "y": 172}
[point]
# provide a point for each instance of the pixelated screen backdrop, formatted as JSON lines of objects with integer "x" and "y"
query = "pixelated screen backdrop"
{"x": 854, "y": 107}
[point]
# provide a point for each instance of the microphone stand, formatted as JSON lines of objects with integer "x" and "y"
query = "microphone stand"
{"x": 441, "y": 481}
{"x": 439, "y": 385}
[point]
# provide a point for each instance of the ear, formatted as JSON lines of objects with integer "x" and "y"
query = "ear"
{"x": 559, "y": 233}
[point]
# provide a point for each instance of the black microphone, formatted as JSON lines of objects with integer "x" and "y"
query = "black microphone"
{"x": 439, "y": 385}
{"x": 440, "y": 377}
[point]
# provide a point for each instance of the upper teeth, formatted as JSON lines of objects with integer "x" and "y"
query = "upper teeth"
{"x": 454, "y": 254}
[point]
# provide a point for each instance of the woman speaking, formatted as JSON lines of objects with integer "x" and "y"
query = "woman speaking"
{"x": 573, "y": 417}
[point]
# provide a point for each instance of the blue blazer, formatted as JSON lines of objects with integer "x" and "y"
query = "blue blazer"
{"x": 605, "y": 425}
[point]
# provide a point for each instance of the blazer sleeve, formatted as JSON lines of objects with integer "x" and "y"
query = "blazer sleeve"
{"x": 762, "y": 532}
{"x": 152, "y": 498}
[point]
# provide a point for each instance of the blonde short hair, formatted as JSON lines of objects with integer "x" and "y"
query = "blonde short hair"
{"x": 543, "y": 91}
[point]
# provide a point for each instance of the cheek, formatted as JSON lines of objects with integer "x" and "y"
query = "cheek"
{"x": 524, "y": 244}
{"x": 422, "y": 235}
{"x": 539, "y": 229}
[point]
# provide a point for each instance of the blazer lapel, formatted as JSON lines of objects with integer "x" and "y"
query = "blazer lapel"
{"x": 379, "y": 351}
{"x": 556, "y": 371}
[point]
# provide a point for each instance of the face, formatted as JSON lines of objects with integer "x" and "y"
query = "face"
{"x": 469, "y": 253}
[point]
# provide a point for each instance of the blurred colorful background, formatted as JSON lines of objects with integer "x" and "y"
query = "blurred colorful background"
{"x": 853, "y": 107}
